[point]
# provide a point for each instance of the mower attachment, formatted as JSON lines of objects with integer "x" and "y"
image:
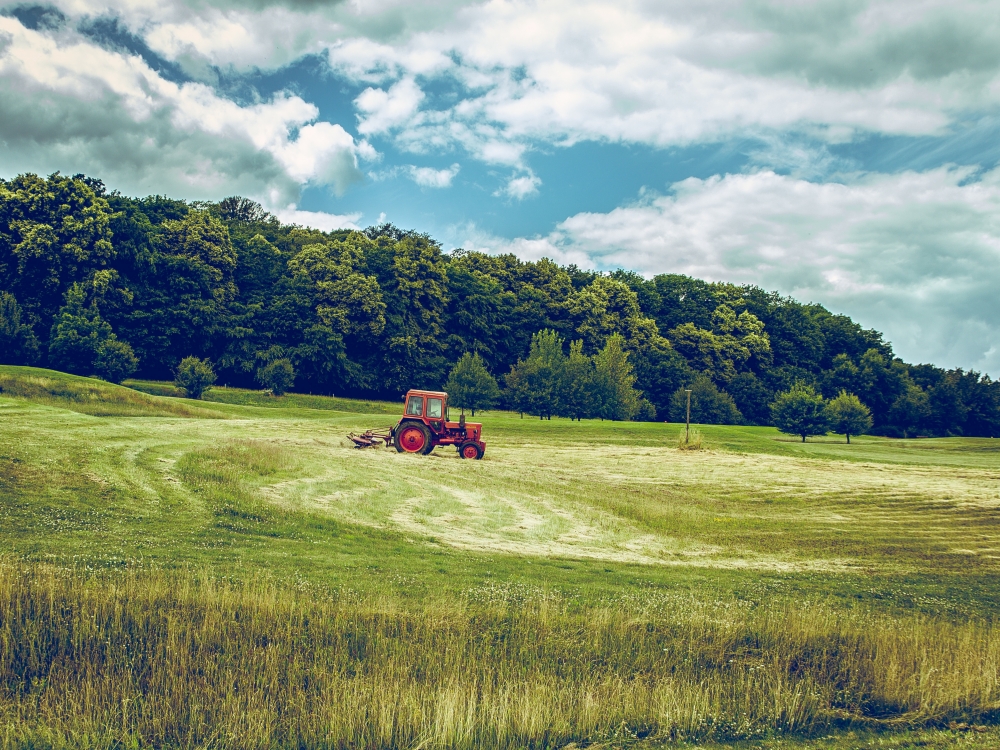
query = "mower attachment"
{"x": 371, "y": 439}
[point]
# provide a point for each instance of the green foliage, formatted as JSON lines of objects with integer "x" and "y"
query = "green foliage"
{"x": 660, "y": 370}
{"x": 83, "y": 343}
{"x": 752, "y": 397}
{"x": 115, "y": 360}
{"x": 909, "y": 410}
{"x": 738, "y": 585}
{"x": 470, "y": 385}
{"x": 615, "y": 380}
{"x": 848, "y": 416}
{"x": 580, "y": 397}
{"x": 278, "y": 376}
{"x": 709, "y": 405}
{"x": 54, "y": 232}
{"x": 535, "y": 385}
{"x": 195, "y": 376}
{"x": 646, "y": 411}
{"x": 373, "y": 313}
{"x": 800, "y": 411}
{"x": 78, "y": 332}
{"x": 18, "y": 345}
{"x": 734, "y": 342}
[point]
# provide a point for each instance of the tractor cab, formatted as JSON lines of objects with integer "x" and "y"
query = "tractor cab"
{"x": 425, "y": 424}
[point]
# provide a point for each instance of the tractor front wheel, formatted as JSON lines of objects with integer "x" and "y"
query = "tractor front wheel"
{"x": 413, "y": 438}
{"x": 470, "y": 450}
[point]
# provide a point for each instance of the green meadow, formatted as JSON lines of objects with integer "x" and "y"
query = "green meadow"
{"x": 231, "y": 572}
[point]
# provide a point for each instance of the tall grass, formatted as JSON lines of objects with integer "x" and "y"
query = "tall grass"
{"x": 158, "y": 659}
{"x": 245, "y": 397}
{"x": 90, "y": 396}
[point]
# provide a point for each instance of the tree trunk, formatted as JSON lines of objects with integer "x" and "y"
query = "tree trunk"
{"x": 803, "y": 438}
{"x": 848, "y": 438}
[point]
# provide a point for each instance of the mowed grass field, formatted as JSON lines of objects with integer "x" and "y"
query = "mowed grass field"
{"x": 232, "y": 573}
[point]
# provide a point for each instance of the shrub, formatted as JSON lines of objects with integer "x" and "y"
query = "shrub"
{"x": 690, "y": 442}
{"x": 115, "y": 360}
{"x": 195, "y": 376}
{"x": 647, "y": 412}
{"x": 278, "y": 376}
{"x": 709, "y": 405}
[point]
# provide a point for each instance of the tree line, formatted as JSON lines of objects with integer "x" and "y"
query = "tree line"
{"x": 95, "y": 282}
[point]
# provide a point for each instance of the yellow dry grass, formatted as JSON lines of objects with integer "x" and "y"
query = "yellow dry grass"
{"x": 161, "y": 661}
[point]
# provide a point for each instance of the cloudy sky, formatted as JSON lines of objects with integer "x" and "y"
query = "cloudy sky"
{"x": 840, "y": 152}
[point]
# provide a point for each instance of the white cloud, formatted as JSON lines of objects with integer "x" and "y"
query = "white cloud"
{"x": 561, "y": 71}
{"x": 521, "y": 187}
{"x": 383, "y": 110}
{"x": 916, "y": 255}
{"x": 434, "y": 178}
{"x": 68, "y": 104}
{"x": 676, "y": 73}
{"x": 318, "y": 219}
{"x": 260, "y": 34}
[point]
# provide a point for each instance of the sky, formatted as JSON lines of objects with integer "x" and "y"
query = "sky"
{"x": 845, "y": 153}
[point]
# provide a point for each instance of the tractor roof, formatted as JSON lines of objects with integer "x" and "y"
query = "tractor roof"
{"x": 418, "y": 392}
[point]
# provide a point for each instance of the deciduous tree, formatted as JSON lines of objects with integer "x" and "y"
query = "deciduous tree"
{"x": 800, "y": 411}
{"x": 470, "y": 385}
{"x": 579, "y": 398}
{"x": 115, "y": 360}
{"x": 848, "y": 416}
{"x": 83, "y": 343}
{"x": 18, "y": 345}
{"x": 536, "y": 383}
{"x": 615, "y": 381}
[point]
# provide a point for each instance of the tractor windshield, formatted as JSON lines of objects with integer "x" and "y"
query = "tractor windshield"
{"x": 434, "y": 408}
{"x": 415, "y": 406}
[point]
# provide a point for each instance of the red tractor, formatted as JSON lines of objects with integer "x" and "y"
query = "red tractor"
{"x": 425, "y": 425}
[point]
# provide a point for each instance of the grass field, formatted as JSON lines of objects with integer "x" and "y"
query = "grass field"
{"x": 231, "y": 573}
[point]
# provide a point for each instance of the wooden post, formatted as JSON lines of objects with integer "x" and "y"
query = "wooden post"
{"x": 687, "y": 429}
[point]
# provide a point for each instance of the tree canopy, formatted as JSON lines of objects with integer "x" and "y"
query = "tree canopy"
{"x": 85, "y": 273}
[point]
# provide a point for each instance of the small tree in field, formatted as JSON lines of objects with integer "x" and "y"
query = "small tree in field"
{"x": 848, "y": 416}
{"x": 277, "y": 376}
{"x": 615, "y": 380}
{"x": 115, "y": 360}
{"x": 195, "y": 376}
{"x": 534, "y": 384}
{"x": 579, "y": 398}
{"x": 470, "y": 385}
{"x": 800, "y": 411}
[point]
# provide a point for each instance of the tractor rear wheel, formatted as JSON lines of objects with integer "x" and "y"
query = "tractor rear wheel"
{"x": 470, "y": 450}
{"x": 413, "y": 438}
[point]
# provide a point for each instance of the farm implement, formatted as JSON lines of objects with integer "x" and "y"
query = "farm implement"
{"x": 424, "y": 426}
